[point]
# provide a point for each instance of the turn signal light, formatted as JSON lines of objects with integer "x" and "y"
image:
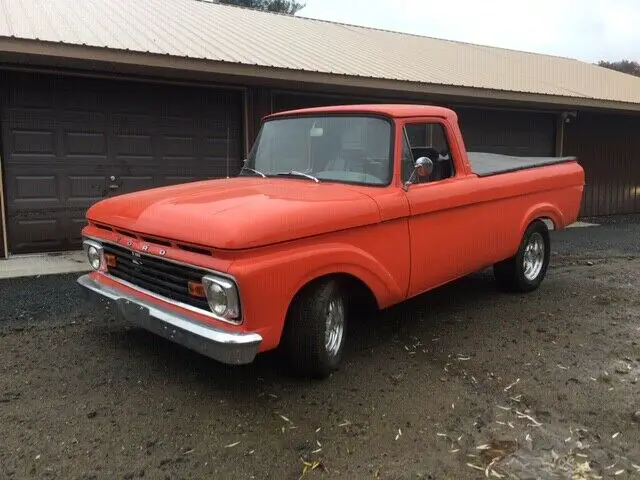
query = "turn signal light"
{"x": 110, "y": 259}
{"x": 196, "y": 289}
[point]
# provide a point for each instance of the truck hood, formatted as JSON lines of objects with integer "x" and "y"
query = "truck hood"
{"x": 238, "y": 213}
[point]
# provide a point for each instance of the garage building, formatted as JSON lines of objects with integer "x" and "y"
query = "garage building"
{"x": 104, "y": 98}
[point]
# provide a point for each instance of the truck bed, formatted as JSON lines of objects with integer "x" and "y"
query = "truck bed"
{"x": 487, "y": 164}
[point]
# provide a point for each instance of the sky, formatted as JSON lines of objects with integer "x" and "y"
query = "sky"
{"x": 588, "y": 30}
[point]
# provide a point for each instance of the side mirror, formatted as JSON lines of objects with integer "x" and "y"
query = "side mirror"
{"x": 422, "y": 168}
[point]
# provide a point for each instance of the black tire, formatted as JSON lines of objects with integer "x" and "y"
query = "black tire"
{"x": 304, "y": 336}
{"x": 510, "y": 274}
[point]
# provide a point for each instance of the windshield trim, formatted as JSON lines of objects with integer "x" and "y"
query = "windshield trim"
{"x": 355, "y": 113}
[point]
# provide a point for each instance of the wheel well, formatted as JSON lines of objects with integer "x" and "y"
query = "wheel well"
{"x": 548, "y": 222}
{"x": 359, "y": 293}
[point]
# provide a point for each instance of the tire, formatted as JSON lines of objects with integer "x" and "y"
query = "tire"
{"x": 525, "y": 271}
{"x": 311, "y": 349}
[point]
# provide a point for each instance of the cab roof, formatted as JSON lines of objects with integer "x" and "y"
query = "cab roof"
{"x": 389, "y": 110}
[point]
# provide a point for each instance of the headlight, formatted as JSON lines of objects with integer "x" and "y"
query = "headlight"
{"x": 94, "y": 257}
{"x": 222, "y": 296}
{"x": 94, "y": 254}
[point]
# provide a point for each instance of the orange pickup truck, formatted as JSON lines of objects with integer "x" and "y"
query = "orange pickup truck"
{"x": 335, "y": 210}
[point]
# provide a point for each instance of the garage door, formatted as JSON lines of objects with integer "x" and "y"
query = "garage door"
{"x": 508, "y": 132}
{"x": 282, "y": 101}
{"x": 69, "y": 142}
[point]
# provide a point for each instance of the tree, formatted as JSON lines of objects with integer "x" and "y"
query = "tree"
{"x": 288, "y": 7}
{"x": 624, "y": 66}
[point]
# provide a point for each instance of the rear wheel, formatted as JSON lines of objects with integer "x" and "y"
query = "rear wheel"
{"x": 315, "y": 330}
{"x": 525, "y": 271}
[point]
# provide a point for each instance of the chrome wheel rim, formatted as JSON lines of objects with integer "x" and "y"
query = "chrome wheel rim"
{"x": 334, "y": 326}
{"x": 533, "y": 259}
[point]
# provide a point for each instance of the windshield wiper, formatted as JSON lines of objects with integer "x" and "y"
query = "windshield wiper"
{"x": 254, "y": 171}
{"x": 300, "y": 174}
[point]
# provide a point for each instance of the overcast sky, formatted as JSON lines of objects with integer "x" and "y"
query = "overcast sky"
{"x": 589, "y": 30}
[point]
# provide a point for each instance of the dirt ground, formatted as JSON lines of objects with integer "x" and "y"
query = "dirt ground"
{"x": 464, "y": 382}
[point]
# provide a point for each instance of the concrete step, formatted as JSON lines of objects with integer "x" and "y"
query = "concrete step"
{"x": 43, "y": 264}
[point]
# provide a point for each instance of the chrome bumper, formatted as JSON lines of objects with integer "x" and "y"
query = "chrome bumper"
{"x": 220, "y": 345}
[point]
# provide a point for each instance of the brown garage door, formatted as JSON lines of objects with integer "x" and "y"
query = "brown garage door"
{"x": 508, "y": 132}
{"x": 69, "y": 142}
{"x": 282, "y": 101}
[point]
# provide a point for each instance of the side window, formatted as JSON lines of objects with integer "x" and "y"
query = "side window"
{"x": 429, "y": 140}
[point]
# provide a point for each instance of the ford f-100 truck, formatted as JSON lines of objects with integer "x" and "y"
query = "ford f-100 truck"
{"x": 334, "y": 210}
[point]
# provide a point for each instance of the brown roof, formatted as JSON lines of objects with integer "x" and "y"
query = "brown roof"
{"x": 271, "y": 45}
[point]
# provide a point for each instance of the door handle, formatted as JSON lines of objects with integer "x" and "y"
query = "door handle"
{"x": 113, "y": 185}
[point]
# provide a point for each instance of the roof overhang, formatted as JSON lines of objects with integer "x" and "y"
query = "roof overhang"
{"x": 35, "y": 53}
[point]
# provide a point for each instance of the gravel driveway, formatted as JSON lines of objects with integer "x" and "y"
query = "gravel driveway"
{"x": 463, "y": 382}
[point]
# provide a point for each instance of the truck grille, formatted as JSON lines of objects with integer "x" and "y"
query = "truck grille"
{"x": 156, "y": 275}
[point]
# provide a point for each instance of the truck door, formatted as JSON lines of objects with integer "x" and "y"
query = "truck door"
{"x": 443, "y": 229}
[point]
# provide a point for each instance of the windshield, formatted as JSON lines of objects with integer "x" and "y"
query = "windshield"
{"x": 353, "y": 149}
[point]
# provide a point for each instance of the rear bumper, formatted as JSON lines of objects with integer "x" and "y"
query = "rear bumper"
{"x": 181, "y": 328}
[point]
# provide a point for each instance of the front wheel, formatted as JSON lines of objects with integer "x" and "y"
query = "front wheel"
{"x": 525, "y": 271}
{"x": 314, "y": 333}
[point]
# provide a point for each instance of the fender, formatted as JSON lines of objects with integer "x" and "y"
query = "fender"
{"x": 269, "y": 280}
{"x": 542, "y": 210}
{"x": 362, "y": 266}
{"x": 305, "y": 263}
{"x": 309, "y": 261}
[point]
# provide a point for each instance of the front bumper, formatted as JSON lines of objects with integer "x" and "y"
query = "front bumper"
{"x": 181, "y": 328}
